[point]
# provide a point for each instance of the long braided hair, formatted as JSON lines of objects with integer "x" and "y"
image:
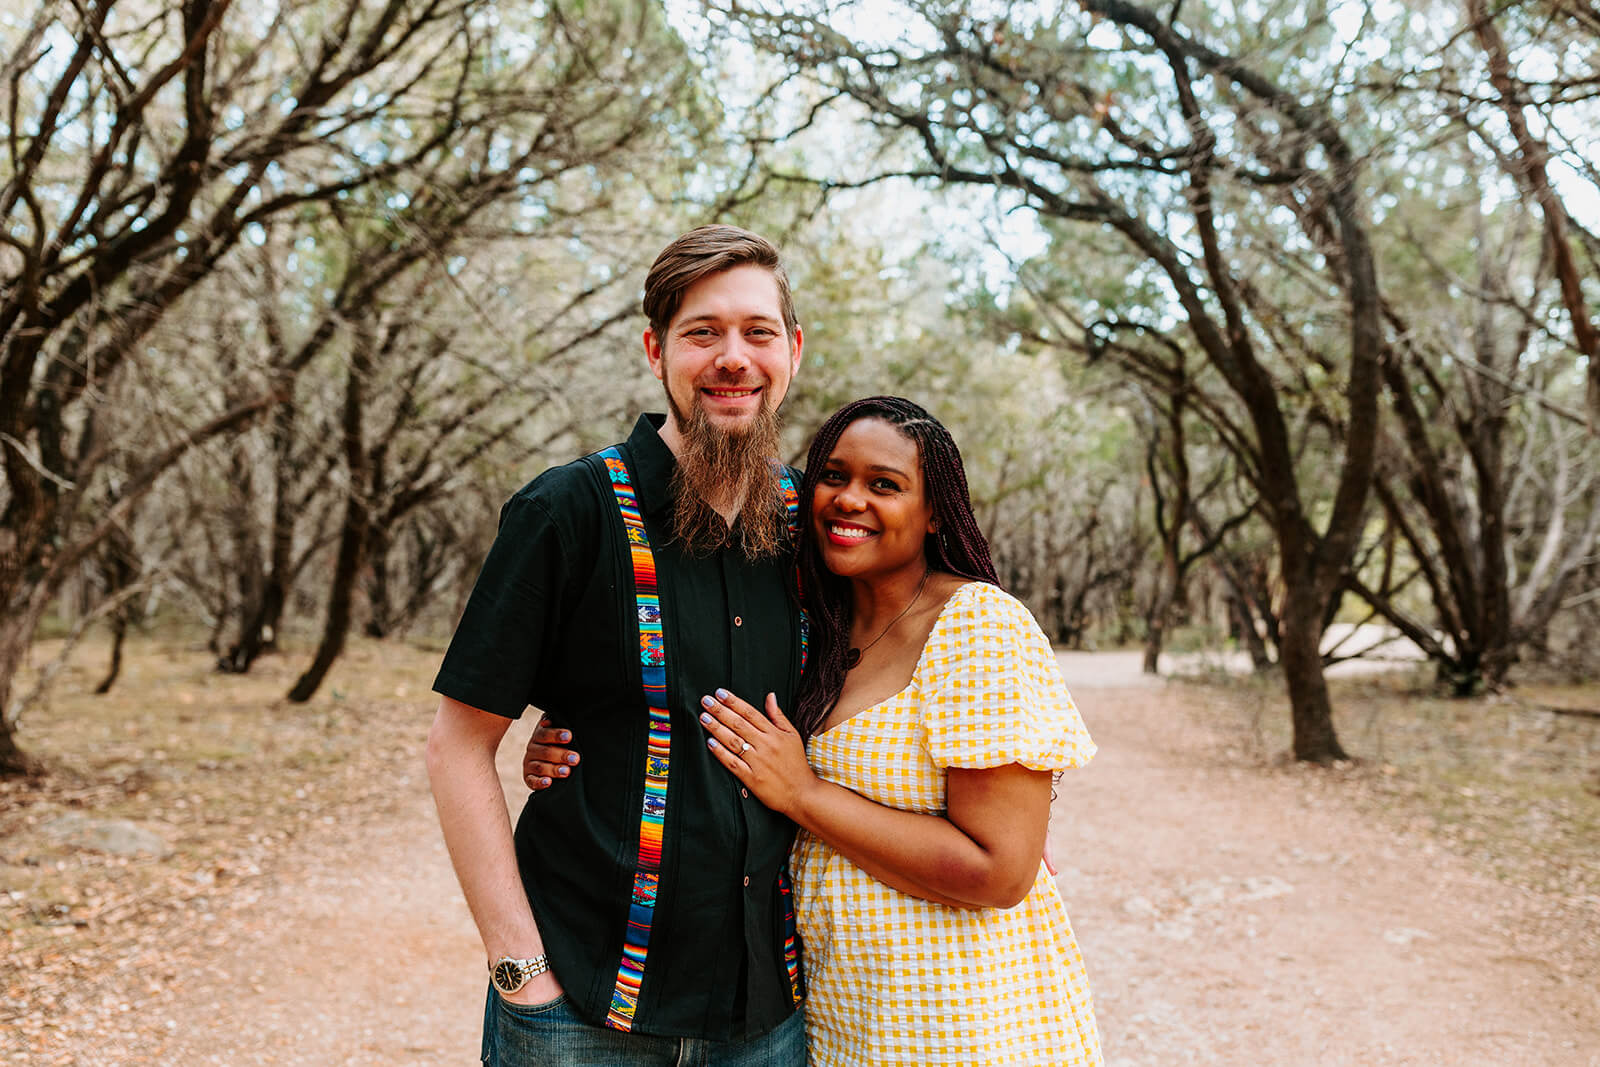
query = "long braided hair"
{"x": 958, "y": 547}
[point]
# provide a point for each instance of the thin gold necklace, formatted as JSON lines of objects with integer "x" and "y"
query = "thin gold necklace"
{"x": 852, "y": 656}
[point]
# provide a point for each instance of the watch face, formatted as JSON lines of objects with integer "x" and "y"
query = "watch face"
{"x": 507, "y": 976}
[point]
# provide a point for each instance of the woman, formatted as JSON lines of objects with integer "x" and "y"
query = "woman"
{"x": 935, "y": 713}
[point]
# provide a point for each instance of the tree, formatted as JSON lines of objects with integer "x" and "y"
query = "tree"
{"x": 1487, "y": 504}
{"x": 1487, "y": 508}
{"x": 1148, "y": 135}
{"x": 151, "y": 139}
{"x": 1527, "y": 157}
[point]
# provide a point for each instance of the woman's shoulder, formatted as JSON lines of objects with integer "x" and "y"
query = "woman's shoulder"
{"x": 977, "y": 615}
{"x": 985, "y": 602}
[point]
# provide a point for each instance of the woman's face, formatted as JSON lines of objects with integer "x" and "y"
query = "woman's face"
{"x": 871, "y": 511}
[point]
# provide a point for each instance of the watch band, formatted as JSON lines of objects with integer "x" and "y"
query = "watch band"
{"x": 510, "y": 974}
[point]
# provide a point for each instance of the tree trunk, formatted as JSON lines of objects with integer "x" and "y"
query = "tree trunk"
{"x": 1160, "y": 611}
{"x": 1152, "y": 650}
{"x": 248, "y": 566}
{"x": 354, "y": 532}
{"x": 259, "y": 632}
{"x": 380, "y": 613}
{"x": 1243, "y": 613}
{"x": 1260, "y": 658}
{"x": 119, "y": 631}
{"x": 119, "y": 566}
{"x": 1300, "y": 653}
{"x": 16, "y": 634}
{"x": 14, "y": 762}
{"x": 336, "y": 627}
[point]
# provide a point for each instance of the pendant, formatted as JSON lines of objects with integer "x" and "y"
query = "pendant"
{"x": 852, "y": 657}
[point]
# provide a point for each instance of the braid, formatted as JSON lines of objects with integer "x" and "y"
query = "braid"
{"x": 958, "y": 546}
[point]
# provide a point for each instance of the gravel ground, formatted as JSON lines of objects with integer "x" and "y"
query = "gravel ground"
{"x": 1229, "y": 915}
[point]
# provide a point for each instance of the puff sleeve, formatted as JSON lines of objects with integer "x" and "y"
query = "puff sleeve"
{"x": 994, "y": 694}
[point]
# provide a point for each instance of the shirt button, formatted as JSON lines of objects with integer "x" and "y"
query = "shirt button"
{"x": 737, "y": 621}
{"x": 745, "y": 793}
{"x": 747, "y": 879}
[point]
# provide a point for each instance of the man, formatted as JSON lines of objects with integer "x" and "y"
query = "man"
{"x": 640, "y": 913}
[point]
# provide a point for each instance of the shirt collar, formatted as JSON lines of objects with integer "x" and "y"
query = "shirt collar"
{"x": 653, "y": 464}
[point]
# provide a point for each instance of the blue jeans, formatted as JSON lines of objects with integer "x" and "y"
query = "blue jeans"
{"x": 552, "y": 1035}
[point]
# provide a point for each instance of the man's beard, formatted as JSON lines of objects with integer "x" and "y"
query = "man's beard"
{"x": 734, "y": 468}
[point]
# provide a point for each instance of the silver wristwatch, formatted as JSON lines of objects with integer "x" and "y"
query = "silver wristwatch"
{"x": 511, "y": 975}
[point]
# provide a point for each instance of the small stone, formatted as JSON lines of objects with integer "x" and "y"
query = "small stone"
{"x": 1264, "y": 888}
{"x": 116, "y": 836}
{"x": 1138, "y": 906}
{"x": 1404, "y": 935}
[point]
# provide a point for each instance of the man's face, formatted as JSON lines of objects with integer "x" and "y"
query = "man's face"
{"x": 725, "y": 351}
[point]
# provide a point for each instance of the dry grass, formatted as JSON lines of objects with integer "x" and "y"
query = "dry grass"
{"x": 1499, "y": 779}
{"x": 219, "y": 765}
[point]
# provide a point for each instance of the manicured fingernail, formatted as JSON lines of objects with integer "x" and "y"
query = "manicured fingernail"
{"x": 723, "y": 694}
{"x": 706, "y": 702}
{"x": 566, "y": 735}
{"x": 562, "y": 771}
{"x": 705, "y": 718}
{"x": 544, "y": 781}
{"x": 711, "y": 742}
{"x": 572, "y": 757}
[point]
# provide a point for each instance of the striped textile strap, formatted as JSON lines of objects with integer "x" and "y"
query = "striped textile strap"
{"x": 791, "y": 938}
{"x": 791, "y": 508}
{"x": 658, "y": 757}
{"x": 652, "y": 816}
{"x": 791, "y": 930}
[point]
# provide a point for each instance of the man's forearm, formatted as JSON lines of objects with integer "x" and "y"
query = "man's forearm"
{"x": 477, "y": 830}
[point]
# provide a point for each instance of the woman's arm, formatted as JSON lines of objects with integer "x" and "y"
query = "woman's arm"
{"x": 984, "y": 853}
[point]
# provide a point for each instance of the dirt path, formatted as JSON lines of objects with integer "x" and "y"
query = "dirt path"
{"x": 1229, "y": 916}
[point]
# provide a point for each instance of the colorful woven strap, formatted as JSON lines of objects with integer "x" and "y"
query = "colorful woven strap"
{"x": 658, "y": 758}
{"x": 791, "y": 929}
{"x": 791, "y": 938}
{"x": 791, "y": 508}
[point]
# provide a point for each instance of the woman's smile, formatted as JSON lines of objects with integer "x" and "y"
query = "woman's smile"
{"x": 870, "y": 511}
{"x": 847, "y": 533}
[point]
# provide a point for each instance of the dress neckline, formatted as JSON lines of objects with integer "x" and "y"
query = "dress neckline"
{"x": 916, "y": 672}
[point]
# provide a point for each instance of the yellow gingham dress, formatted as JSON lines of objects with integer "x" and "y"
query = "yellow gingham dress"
{"x": 893, "y": 979}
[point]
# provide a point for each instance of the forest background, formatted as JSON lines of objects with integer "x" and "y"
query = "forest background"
{"x": 1252, "y": 319}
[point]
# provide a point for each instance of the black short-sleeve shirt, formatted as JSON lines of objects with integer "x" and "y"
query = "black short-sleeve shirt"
{"x": 552, "y": 623}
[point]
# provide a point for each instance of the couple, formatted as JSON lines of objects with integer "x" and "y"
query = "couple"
{"x": 642, "y": 912}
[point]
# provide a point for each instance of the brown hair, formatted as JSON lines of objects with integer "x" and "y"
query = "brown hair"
{"x": 703, "y": 251}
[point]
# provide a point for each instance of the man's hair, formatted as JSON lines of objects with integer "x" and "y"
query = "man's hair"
{"x": 701, "y": 252}
{"x": 958, "y": 547}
